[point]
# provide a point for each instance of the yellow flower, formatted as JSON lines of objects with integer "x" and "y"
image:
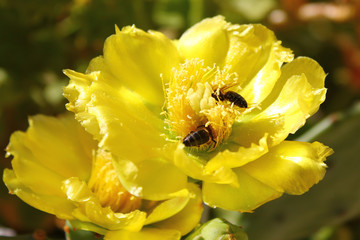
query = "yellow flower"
{"x": 58, "y": 168}
{"x": 223, "y": 90}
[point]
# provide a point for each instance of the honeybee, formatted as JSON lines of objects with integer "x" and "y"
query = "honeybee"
{"x": 199, "y": 137}
{"x": 230, "y": 96}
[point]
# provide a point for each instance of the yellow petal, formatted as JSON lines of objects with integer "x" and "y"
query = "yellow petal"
{"x": 88, "y": 226}
{"x": 235, "y": 155}
{"x": 291, "y": 167}
{"x": 206, "y": 40}
{"x": 145, "y": 233}
{"x": 296, "y": 96}
{"x": 52, "y": 149}
{"x": 191, "y": 165}
{"x": 250, "y": 194}
{"x": 166, "y": 209}
{"x": 118, "y": 118}
{"x": 194, "y": 167}
{"x": 254, "y": 131}
{"x": 78, "y": 93}
{"x": 52, "y": 204}
{"x": 153, "y": 179}
{"x": 188, "y": 217}
{"x": 62, "y": 133}
{"x": 252, "y": 51}
{"x": 89, "y": 209}
{"x": 256, "y": 56}
{"x": 135, "y": 59}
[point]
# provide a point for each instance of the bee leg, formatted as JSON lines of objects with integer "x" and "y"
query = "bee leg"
{"x": 211, "y": 135}
{"x": 213, "y": 141}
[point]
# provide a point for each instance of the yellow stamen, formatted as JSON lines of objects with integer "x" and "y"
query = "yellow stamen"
{"x": 105, "y": 184}
{"x": 190, "y": 102}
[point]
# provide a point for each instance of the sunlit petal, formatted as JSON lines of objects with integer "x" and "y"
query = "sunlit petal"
{"x": 118, "y": 118}
{"x": 188, "y": 217}
{"x": 33, "y": 149}
{"x": 291, "y": 167}
{"x": 210, "y": 33}
{"x": 89, "y": 209}
{"x": 57, "y": 205}
{"x": 250, "y": 194}
{"x": 129, "y": 60}
{"x": 154, "y": 179}
{"x": 297, "y": 95}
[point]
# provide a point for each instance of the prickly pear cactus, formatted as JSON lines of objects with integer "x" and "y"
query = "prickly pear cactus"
{"x": 218, "y": 229}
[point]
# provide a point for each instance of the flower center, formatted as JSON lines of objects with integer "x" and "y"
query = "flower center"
{"x": 198, "y": 109}
{"x": 105, "y": 184}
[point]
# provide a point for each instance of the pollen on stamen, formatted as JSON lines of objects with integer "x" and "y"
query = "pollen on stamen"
{"x": 105, "y": 184}
{"x": 190, "y": 102}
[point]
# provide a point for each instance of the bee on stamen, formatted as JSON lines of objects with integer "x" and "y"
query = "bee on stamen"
{"x": 230, "y": 96}
{"x": 199, "y": 137}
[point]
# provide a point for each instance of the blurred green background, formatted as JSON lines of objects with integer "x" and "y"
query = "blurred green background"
{"x": 39, "y": 38}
